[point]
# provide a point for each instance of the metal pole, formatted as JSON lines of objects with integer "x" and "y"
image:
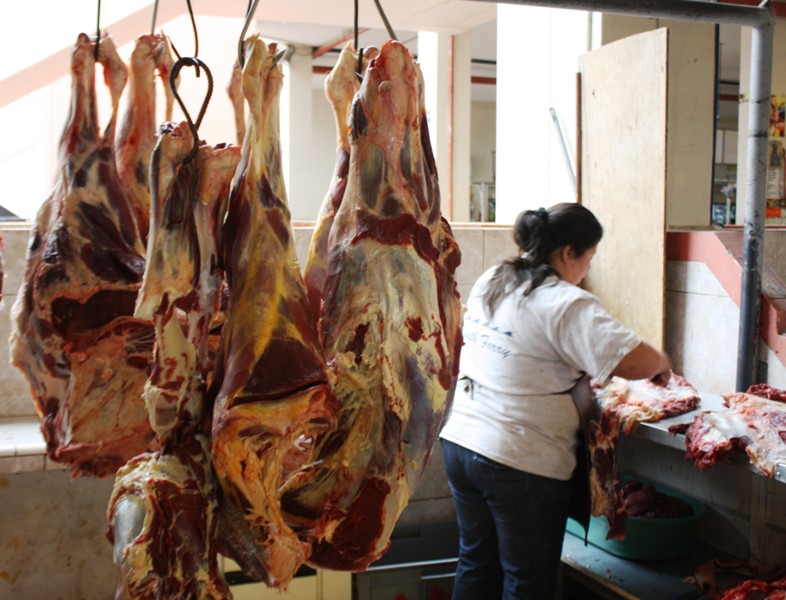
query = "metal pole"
{"x": 762, "y": 20}
{"x": 692, "y": 10}
{"x": 755, "y": 203}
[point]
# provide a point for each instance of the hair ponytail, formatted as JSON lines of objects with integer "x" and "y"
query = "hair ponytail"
{"x": 537, "y": 233}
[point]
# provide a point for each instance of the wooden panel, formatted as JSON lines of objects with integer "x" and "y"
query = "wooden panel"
{"x": 623, "y": 140}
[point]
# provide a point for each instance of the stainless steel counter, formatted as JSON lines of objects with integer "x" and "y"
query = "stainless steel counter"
{"x": 658, "y": 432}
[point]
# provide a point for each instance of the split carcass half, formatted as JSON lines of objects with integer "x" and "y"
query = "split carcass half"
{"x": 270, "y": 384}
{"x": 390, "y": 325}
{"x": 162, "y": 514}
{"x": 136, "y": 135}
{"x": 341, "y": 85}
{"x": 73, "y": 333}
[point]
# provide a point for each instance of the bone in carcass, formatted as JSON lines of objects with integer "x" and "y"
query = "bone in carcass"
{"x": 619, "y": 407}
{"x": 270, "y": 384}
{"x": 341, "y": 85}
{"x": 390, "y": 325}
{"x": 750, "y": 423}
{"x": 136, "y": 135}
{"x": 73, "y": 334}
{"x": 162, "y": 513}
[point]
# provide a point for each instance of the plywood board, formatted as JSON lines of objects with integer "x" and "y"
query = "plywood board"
{"x": 623, "y": 141}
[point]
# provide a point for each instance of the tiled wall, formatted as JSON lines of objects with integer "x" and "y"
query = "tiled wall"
{"x": 52, "y": 542}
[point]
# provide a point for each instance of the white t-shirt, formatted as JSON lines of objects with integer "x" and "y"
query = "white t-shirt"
{"x": 522, "y": 363}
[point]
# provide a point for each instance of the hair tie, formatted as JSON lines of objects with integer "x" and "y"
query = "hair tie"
{"x": 543, "y": 215}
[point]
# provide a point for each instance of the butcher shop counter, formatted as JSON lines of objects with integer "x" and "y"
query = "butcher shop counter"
{"x": 589, "y": 572}
{"x": 658, "y": 432}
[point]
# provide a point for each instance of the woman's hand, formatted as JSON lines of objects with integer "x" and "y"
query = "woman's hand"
{"x": 645, "y": 362}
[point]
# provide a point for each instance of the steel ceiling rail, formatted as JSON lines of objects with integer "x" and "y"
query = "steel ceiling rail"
{"x": 762, "y": 20}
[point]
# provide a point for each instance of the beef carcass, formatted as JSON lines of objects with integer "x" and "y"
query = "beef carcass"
{"x": 390, "y": 325}
{"x": 136, "y": 135}
{"x": 619, "y": 406}
{"x": 753, "y": 424}
{"x": 73, "y": 334}
{"x": 162, "y": 514}
{"x": 341, "y": 85}
{"x": 270, "y": 383}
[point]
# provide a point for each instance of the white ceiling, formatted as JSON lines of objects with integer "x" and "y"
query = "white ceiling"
{"x": 314, "y": 23}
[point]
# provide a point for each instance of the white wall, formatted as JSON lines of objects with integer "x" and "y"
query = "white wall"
{"x": 531, "y": 171}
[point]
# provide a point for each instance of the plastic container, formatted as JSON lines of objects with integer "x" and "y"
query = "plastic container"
{"x": 646, "y": 539}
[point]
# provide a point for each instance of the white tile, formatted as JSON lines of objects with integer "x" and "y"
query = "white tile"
{"x": 498, "y": 245}
{"x": 21, "y": 464}
{"x": 692, "y": 276}
{"x": 470, "y": 242}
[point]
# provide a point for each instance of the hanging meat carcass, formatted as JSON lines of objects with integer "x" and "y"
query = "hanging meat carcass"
{"x": 341, "y": 85}
{"x": 136, "y": 135}
{"x": 270, "y": 384}
{"x": 73, "y": 334}
{"x": 390, "y": 325}
{"x": 162, "y": 513}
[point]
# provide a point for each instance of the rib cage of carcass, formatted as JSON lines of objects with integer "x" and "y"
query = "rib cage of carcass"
{"x": 303, "y": 437}
{"x": 73, "y": 332}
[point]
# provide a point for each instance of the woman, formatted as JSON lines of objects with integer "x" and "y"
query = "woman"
{"x": 531, "y": 334}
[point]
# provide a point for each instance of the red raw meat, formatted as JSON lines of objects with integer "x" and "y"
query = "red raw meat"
{"x": 136, "y": 135}
{"x": 390, "y": 325}
{"x": 341, "y": 85}
{"x": 753, "y": 424}
{"x": 271, "y": 383}
{"x": 619, "y": 407}
{"x": 73, "y": 333}
{"x": 163, "y": 511}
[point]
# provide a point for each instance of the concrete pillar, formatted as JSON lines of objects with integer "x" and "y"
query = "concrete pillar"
{"x": 434, "y": 56}
{"x": 531, "y": 168}
{"x": 462, "y": 125}
{"x": 305, "y": 193}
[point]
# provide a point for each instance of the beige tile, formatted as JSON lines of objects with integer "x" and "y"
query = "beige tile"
{"x": 692, "y": 276}
{"x": 51, "y": 465}
{"x": 16, "y": 400}
{"x": 470, "y": 242}
{"x": 302, "y": 242}
{"x": 21, "y": 464}
{"x": 498, "y": 245}
{"x": 464, "y": 291}
{"x": 14, "y": 247}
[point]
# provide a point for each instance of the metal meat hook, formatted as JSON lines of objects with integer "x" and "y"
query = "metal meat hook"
{"x": 252, "y": 7}
{"x": 191, "y": 61}
{"x": 98, "y": 31}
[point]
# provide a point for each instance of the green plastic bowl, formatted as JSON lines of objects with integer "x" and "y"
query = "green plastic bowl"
{"x": 646, "y": 539}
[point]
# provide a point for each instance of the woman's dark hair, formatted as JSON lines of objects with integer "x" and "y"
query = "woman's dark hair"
{"x": 537, "y": 234}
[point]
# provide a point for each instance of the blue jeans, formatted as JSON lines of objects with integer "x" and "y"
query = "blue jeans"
{"x": 511, "y": 526}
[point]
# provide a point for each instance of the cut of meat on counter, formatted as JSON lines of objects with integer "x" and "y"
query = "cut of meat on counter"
{"x": 73, "y": 332}
{"x": 751, "y": 423}
{"x": 619, "y": 406}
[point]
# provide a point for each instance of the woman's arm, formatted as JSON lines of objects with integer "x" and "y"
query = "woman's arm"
{"x": 645, "y": 362}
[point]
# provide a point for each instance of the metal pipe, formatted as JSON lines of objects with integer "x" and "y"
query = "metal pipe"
{"x": 755, "y": 202}
{"x": 762, "y": 20}
{"x": 693, "y": 10}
